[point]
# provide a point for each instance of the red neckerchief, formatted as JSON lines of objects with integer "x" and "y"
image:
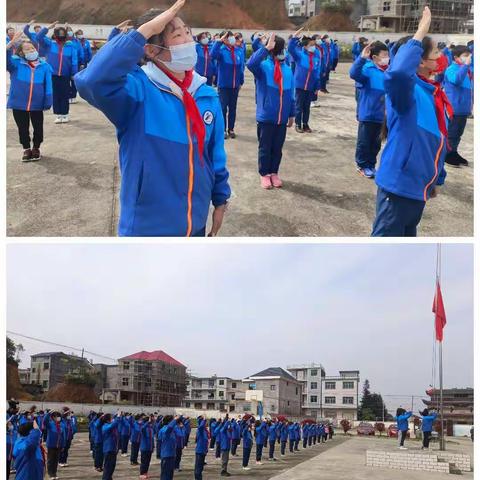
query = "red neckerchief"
{"x": 33, "y": 64}
{"x": 205, "y": 53}
{"x": 442, "y": 105}
{"x": 320, "y": 49}
{"x": 310, "y": 60}
{"x": 278, "y": 75}
{"x": 383, "y": 68}
{"x": 193, "y": 114}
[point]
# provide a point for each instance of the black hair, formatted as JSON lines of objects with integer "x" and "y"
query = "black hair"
{"x": 306, "y": 40}
{"x": 157, "y": 39}
{"x": 400, "y": 411}
{"x": 106, "y": 418}
{"x": 167, "y": 419}
{"x": 25, "y": 429}
{"x": 424, "y": 413}
{"x": 10, "y": 28}
{"x": 427, "y": 45}
{"x": 279, "y": 46}
{"x": 57, "y": 31}
{"x": 460, "y": 50}
{"x": 377, "y": 47}
{"x": 469, "y": 43}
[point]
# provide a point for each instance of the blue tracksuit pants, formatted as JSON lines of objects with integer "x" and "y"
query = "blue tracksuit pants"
{"x": 456, "y": 128}
{"x": 228, "y": 100}
{"x": 271, "y": 139}
{"x": 61, "y": 94}
{"x": 302, "y": 106}
{"x": 369, "y": 144}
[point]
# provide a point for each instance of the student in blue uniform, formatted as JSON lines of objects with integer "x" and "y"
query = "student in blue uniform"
{"x": 458, "y": 85}
{"x": 172, "y": 169}
{"x": 98, "y": 440}
{"x": 180, "y": 444}
{"x": 124, "y": 430}
{"x": 147, "y": 445}
{"x": 12, "y": 426}
{"x": 62, "y": 57}
{"x": 402, "y": 425}
{"x": 55, "y": 426}
{"x": 236, "y": 435}
{"x": 272, "y": 438}
{"x": 80, "y": 60}
{"x": 135, "y": 438}
{"x": 30, "y": 94}
{"x": 201, "y": 448}
{"x": 111, "y": 443}
{"x": 29, "y": 459}
{"x": 224, "y": 438}
{"x": 230, "y": 58}
{"x": 205, "y": 65}
{"x": 33, "y": 36}
{"x": 327, "y": 51}
{"x": 323, "y": 70}
{"x": 70, "y": 430}
{"x": 427, "y": 426}
{"x": 335, "y": 51}
{"x": 369, "y": 71}
{"x": 260, "y": 437}
{"x": 86, "y": 49}
{"x": 307, "y": 78}
{"x": 169, "y": 445}
{"x": 247, "y": 426}
{"x": 412, "y": 165}
{"x": 275, "y": 107}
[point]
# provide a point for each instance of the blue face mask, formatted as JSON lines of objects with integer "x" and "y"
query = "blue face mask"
{"x": 70, "y": 34}
{"x": 231, "y": 40}
{"x": 31, "y": 56}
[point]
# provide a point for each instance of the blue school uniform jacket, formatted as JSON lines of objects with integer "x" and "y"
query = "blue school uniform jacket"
{"x": 235, "y": 430}
{"x": 124, "y": 426}
{"x": 283, "y": 433}
{"x": 180, "y": 436}
{"x": 413, "y": 159}
{"x": 30, "y": 88}
{"x": 306, "y": 78}
{"x": 335, "y": 51}
{"x": 29, "y": 462}
{"x": 427, "y": 422}
{"x": 168, "y": 440}
{"x": 79, "y": 49}
{"x": 97, "y": 429}
{"x": 147, "y": 442}
{"x": 371, "y": 104}
{"x": 111, "y": 436}
{"x": 86, "y": 50}
{"x": 356, "y": 50}
{"x": 205, "y": 63}
{"x": 201, "y": 438}
{"x": 402, "y": 421}
{"x": 11, "y": 438}
{"x": 292, "y": 432}
{"x": 225, "y": 436}
{"x": 458, "y": 86}
{"x": 448, "y": 53}
{"x": 63, "y": 58}
{"x": 33, "y": 36}
{"x": 272, "y": 432}
{"x": 261, "y": 433}
{"x": 256, "y": 43}
{"x": 327, "y": 51}
{"x": 70, "y": 429}
{"x": 166, "y": 189}
{"x": 136, "y": 432}
{"x": 230, "y": 72}
{"x": 247, "y": 437}
{"x": 55, "y": 432}
{"x": 272, "y": 107}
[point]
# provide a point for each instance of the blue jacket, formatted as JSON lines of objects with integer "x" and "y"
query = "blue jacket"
{"x": 70, "y": 429}
{"x": 136, "y": 432}
{"x": 261, "y": 433}
{"x": 247, "y": 436}
{"x": 180, "y": 436}
{"x": 458, "y": 86}
{"x": 55, "y": 432}
{"x": 335, "y": 51}
{"x": 256, "y": 43}
{"x": 272, "y": 432}
{"x": 167, "y": 440}
{"x": 306, "y": 78}
{"x": 413, "y": 159}
{"x": 29, "y": 462}
{"x": 427, "y": 422}
{"x": 201, "y": 438}
{"x": 356, "y": 50}
{"x": 371, "y": 104}
{"x": 11, "y": 439}
{"x": 98, "y": 435}
{"x": 292, "y": 432}
{"x": 328, "y": 59}
{"x": 79, "y": 49}
{"x": 111, "y": 436}
{"x": 225, "y": 436}
{"x": 448, "y": 53}
{"x": 271, "y": 106}
{"x": 205, "y": 63}
{"x": 147, "y": 443}
{"x": 86, "y": 50}
{"x": 30, "y": 88}
{"x": 115, "y": 31}
{"x": 230, "y": 73}
{"x": 213, "y": 428}
{"x": 33, "y": 36}
{"x": 124, "y": 426}
{"x": 166, "y": 189}
{"x": 402, "y": 421}
{"x": 62, "y": 58}
{"x": 235, "y": 430}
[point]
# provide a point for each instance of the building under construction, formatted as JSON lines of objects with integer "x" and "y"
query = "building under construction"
{"x": 403, "y": 15}
{"x": 151, "y": 379}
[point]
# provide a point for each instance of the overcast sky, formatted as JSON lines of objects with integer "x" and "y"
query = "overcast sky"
{"x": 234, "y": 310}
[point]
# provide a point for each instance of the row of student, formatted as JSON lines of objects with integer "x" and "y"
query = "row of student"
{"x": 424, "y": 121}
{"x": 39, "y": 439}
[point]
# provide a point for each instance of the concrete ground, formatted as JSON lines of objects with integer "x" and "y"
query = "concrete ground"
{"x": 73, "y": 190}
{"x": 81, "y": 464}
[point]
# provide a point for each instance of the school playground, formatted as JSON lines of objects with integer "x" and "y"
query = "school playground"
{"x": 73, "y": 190}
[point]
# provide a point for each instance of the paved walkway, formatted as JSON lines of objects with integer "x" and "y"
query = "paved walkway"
{"x": 73, "y": 190}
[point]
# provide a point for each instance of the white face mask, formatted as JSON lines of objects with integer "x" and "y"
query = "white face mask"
{"x": 184, "y": 57}
{"x": 318, "y": 42}
{"x": 231, "y": 40}
{"x": 384, "y": 61}
{"x": 204, "y": 41}
{"x": 311, "y": 49}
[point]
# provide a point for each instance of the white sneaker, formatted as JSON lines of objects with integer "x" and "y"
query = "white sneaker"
{"x": 258, "y": 463}
{"x": 65, "y": 119}
{"x": 403, "y": 448}
{"x": 59, "y": 119}
{"x": 315, "y": 104}
{"x": 73, "y": 100}
{"x": 245, "y": 468}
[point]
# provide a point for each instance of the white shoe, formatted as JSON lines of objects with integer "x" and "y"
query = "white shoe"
{"x": 65, "y": 119}
{"x": 403, "y": 448}
{"x": 59, "y": 119}
{"x": 315, "y": 104}
{"x": 245, "y": 468}
{"x": 73, "y": 100}
{"x": 258, "y": 463}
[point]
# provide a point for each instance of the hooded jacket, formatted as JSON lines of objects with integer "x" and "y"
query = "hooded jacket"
{"x": 29, "y": 461}
{"x": 230, "y": 73}
{"x": 306, "y": 78}
{"x": 458, "y": 85}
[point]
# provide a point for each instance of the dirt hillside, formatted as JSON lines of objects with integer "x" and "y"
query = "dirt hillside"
{"x": 71, "y": 393}
{"x": 14, "y": 388}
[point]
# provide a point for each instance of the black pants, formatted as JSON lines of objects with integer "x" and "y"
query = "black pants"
{"x": 178, "y": 457}
{"x": 246, "y": 456}
{"x": 98, "y": 455}
{"x": 259, "y": 451}
{"x": 297, "y": 441}
{"x": 109, "y": 463}
{"x": 271, "y": 138}
{"x": 22, "y": 119}
{"x": 9, "y": 462}
{"x": 212, "y": 443}
{"x": 228, "y": 100}
{"x": 199, "y": 464}
{"x": 305, "y": 442}
{"x": 283, "y": 446}
{"x": 271, "y": 450}
{"x": 124, "y": 443}
{"x": 403, "y": 436}
{"x": 456, "y": 128}
{"x": 426, "y": 439}
{"x": 52, "y": 461}
{"x": 61, "y": 93}
{"x": 218, "y": 452}
{"x": 291, "y": 445}
{"x": 63, "y": 457}
{"x": 167, "y": 468}
{"x": 235, "y": 444}
{"x": 302, "y": 107}
{"x": 134, "y": 452}
{"x": 73, "y": 89}
{"x": 145, "y": 457}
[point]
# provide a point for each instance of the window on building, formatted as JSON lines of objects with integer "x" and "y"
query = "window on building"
{"x": 45, "y": 384}
{"x": 46, "y": 366}
{"x": 272, "y": 408}
{"x": 296, "y": 390}
{"x": 221, "y": 382}
{"x": 313, "y": 399}
{"x": 313, "y": 373}
{"x": 234, "y": 384}
{"x": 210, "y": 406}
{"x": 348, "y": 400}
{"x": 198, "y": 406}
{"x": 273, "y": 387}
{"x": 348, "y": 385}
{"x": 33, "y": 369}
{"x": 288, "y": 403}
{"x": 330, "y": 400}
{"x": 386, "y": 6}
{"x": 187, "y": 404}
{"x": 233, "y": 396}
{"x": 330, "y": 385}
{"x": 221, "y": 393}
{"x": 247, "y": 407}
{"x": 231, "y": 408}
{"x": 126, "y": 365}
{"x": 221, "y": 407}
{"x": 125, "y": 381}
{"x": 313, "y": 385}
{"x": 252, "y": 386}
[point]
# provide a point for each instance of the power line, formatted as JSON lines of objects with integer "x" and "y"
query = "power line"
{"x": 60, "y": 345}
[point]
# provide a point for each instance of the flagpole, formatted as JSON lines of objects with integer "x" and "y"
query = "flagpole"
{"x": 440, "y": 355}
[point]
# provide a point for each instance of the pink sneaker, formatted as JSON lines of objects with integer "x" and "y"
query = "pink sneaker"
{"x": 276, "y": 182}
{"x": 266, "y": 182}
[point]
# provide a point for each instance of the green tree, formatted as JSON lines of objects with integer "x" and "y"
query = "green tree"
{"x": 372, "y": 406}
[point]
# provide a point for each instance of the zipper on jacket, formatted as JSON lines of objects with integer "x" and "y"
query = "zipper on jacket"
{"x": 281, "y": 102}
{"x": 437, "y": 159}
{"x": 60, "y": 62}
{"x": 32, "y": 74}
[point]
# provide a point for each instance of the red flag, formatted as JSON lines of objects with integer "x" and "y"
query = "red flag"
{"x": 439, "y": 311}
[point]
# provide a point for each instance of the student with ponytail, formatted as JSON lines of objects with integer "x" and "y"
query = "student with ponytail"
{"x": 412, "y": 165}
{"x": 169, "y": 127}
